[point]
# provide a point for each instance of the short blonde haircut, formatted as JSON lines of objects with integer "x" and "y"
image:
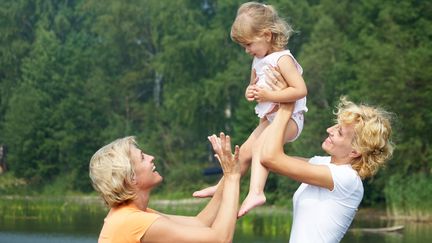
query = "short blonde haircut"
{"x": 372, "y": 132}
{"x": 111, "y": 172}
{"x": 254, "y": 18}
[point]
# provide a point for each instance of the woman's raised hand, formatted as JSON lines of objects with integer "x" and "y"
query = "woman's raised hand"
{"x": 274, "y": 78}
{"x": 222, "y": 146}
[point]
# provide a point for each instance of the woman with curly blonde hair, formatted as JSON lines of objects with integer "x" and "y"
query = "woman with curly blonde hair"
{"x": 326, "y": 202}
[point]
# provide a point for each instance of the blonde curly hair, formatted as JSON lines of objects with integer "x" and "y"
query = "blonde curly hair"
{"x": 254, "y": 18}
{"x": 372, "y": 132}
{"x": 111, "y": 172}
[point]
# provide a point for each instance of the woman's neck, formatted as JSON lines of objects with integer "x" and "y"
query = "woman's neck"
{"x": 340, "y": 161}
{"x": 142, "y": 200}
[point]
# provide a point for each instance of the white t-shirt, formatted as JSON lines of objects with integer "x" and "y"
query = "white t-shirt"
{"x": 321, "y": 215}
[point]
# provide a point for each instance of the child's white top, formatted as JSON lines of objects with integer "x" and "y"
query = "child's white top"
{"x": 259, "y": 64}
{"x": 321, "y": 215}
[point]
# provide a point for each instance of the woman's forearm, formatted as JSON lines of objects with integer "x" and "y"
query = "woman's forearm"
{"x": 223, "y": 225}
{"x": 274, "y": 135}
{"x": 209, "y": 213}
{"x": 227, "y": 215}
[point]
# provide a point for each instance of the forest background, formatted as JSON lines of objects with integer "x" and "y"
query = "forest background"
{"x": 75, "y": 75}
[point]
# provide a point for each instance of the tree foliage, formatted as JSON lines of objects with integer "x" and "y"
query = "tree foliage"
{"x": 77, "y": 74}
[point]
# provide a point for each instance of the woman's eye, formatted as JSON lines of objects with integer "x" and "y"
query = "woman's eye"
{"x": 339, "y": 130}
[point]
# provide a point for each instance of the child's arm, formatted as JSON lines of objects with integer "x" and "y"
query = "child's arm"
{"x": 296, "y": 85}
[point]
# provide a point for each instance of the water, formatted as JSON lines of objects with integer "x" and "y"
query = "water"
{"x": 413, "y": 232}
{"x": 43, "y": 238}
{"x": 73, "y": 221}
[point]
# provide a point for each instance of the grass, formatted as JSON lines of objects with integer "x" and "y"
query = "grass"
{"x": 406, "y": 197}
{"x": 410, "y": 197}
{"x": 9, "y": 184}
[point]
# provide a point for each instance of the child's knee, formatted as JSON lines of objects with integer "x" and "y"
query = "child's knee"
{"x": 244, "y": 152}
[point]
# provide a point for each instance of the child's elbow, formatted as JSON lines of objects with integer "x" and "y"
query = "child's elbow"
{"x": 304, "y": 92}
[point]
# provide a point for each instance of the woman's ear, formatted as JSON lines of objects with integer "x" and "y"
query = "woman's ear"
{"x": 134, "y": 179}
{"x": 354, "y": 154}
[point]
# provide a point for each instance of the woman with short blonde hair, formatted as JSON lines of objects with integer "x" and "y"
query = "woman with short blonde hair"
{"x": 124, "y": 176}
{"x": 111, "y": 172}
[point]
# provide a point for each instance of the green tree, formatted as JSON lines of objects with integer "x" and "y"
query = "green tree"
{"x": 15, "y": 40}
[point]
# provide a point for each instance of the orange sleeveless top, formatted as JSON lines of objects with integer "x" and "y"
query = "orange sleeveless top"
{"x": 126, "y": 224}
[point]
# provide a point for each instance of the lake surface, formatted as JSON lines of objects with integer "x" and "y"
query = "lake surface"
{"x": 72, "y": 221}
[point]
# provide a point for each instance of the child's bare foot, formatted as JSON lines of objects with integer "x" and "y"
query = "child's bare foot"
{"x": 206, "y": 192}
{"x": 250, "y": 202}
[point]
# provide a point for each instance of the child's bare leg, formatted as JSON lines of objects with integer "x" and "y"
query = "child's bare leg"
{"x": 245, "y": 157}
{"x": 259, "y": 173}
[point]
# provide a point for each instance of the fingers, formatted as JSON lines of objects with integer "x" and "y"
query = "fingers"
{"x": 257, "y": 92}
{"x": 218, "y": 158}
{"x": 256, "y": 78}
{"x": 272, "y": 85}
{"x": 250, "y": 92}
{"x": 215, "y": 142}
{"x": 236, "y": 153}
{"x": 225, "y": 144}
{"x": 270, "y": 77}
{"x": 221, "y": 145}
{"x": 278, "y": 75}
{"x": 274, "y": 73}
{"x": 274, "y": 78}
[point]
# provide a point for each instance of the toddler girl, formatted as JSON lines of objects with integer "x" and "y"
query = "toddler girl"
{"x": 264, "y": 35}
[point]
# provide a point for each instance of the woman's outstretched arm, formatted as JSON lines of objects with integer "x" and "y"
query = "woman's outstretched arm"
{"x": 221, "y": 213}
{"x": 274, "y": 158}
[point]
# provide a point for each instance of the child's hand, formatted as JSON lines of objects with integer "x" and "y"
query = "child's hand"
{"x": 250, "y": 93}
{"x": 260, "y": 94}
{"x": 275, "y": 79}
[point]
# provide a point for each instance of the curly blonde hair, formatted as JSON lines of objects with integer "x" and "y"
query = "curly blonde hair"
{"x": 111, "y": 172}
{"x": 372, "y": 132}
{"x": 254, "y": 18}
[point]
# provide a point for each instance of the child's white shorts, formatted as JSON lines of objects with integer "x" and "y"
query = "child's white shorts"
{"x": 297, "y": 117}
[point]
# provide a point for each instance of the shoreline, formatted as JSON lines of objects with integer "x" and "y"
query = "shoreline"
{"x": 192, "y": 204}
